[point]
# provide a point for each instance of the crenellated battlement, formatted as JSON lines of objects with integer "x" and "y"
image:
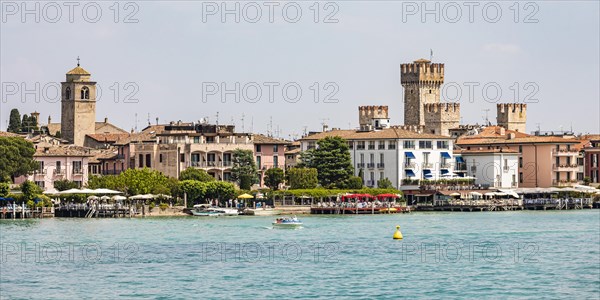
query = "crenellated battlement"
{"x": 441, "y": 107}
{"x": 369, "y": 112}
{"x": 511, "y": 107}
{"x": 422, "y": 72}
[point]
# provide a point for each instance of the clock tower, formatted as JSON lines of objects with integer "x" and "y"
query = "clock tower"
{"x": 78, "y": 112}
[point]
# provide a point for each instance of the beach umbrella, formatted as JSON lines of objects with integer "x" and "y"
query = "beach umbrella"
{"x": 163, "y": 196}
{"x": 142, "y": 197}
{"x": 245, "y": 196}
{"x": 51, "y": 192}
{"x": 106, "y": 191}
{"x": 119, "y": 198}
{"x": 93, "y": 198}
{"x": 70, "y": 191}
{"x": 104, "y": 198}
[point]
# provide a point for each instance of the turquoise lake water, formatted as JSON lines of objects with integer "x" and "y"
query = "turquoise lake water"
{"x": 553, "y": 254}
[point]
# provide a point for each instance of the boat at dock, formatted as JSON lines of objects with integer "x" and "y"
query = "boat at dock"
{"x": 261, "y": 212}
{"x": 205, "y": 210}
{"x": 287, "y": 222}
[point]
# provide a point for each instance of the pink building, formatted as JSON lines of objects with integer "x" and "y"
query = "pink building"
{"x": 59, "y": 162}
{"x": 268, "y": 153}
{"x": 544, "y": 161}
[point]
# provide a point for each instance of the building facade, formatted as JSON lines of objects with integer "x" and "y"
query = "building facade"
{"x": 497, "y": 168}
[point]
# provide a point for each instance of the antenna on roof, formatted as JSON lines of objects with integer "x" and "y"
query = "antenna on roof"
{"x": 156, "y": 120}
{"x": 149, "y": 119}
{"x": 243, "y": 130}
{"x": 136, "y": 121}
{"x": 78, "y": 60}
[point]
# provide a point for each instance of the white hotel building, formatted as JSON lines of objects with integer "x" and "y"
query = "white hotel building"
{"x": 388, "y": 152}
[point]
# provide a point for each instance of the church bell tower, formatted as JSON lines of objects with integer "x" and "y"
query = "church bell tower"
{"x": 78, "y": 112}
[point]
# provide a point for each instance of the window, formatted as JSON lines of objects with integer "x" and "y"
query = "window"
{"x": 85, "y": 93}
{"x": 520, "y": 162}
{"x": 360, "y": 145}
{"x": 258, "y": 162}
{"x": 424, "y": 144}
{"x": 41, "y": 167}
{"x": 381, "y": 157}
{"x": 77, "y": 167}
{"x": 210, "y": 139}
{"x": 351, "y": 145}
{"x": 141, "y": 161}
{"x": 197, "y": 140}
{"x": 362, "y": 158}
{"x": 409, "y": 144}
{"x": 372, "y": 158}
{"x": 580, "y": 161}
{"x": 68, "y": 93}
{"x": 160, "y": 158}
{"x": 381, "y": 145}
{"x": 381, "y": 176}
{"x": 40, "y": 184}
{"x": 580, "y": 176}
{"x": 148, "y": 161}
{"x": 371, "y": 145}
{"x": 520, "y": 177}
{"x": 182, "y": 157}
{"x": 425, "y": 157}
{"x": 58, "y": 171}
{"x": 275, "y": 161}
{"x": 275, "y": 148}
{"x": 391, "y": 145}
{"x": 258, "y": 148}
{"x": 520, "y": 149}
{"x": 442, "y": 144}
{"x": 311, "y": 145}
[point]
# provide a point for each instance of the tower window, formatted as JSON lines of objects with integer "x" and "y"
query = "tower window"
{"x": 430, "y": 91}
{"x": 85, "y": 93}
{"x": 68, "y": 93}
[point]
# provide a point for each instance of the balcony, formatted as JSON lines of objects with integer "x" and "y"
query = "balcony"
{"x": 227, "y": 164}
{"x": 427, "y": 165}
{"x": 59, "y": 172}
{"x": 371, "y": 165}
{"x": 445, "y": 165}
{"x": 460, "y": 167}
{"x": 380, "y": 165}
{"x": 77, "y": 171}
{"x": 360, "y": 165}
{"x": 565, "y": 167}
{"x": 410, "y": 165}
{"x": 564, "y": 152}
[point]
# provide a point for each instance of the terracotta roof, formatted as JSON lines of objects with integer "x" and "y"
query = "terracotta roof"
{"x": 263, "y": 139}
{"x": 147, "y": 135}
{"x": 46, "y": 138}
{"x": 487, "y": 151}
{"x": 63, "y": 150}
{"x": 8, "y": 134}
{"x": 107, "y": 137}
{"x": 591, "y": 137}
{"x": 388, "y": 133}
{"x": 78, "y": 71}
{"x": 293, "y": 151}
{"x": 492, "y": 135}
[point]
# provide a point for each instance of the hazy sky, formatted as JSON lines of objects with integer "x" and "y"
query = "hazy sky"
{"x": 177, "y": 52}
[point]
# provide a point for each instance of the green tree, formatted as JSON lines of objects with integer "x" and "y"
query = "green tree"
{"x": 4, "y": 189}
{"x": 355, "y": 182}
{"x": 244, "y": 169}
{"x": 219, "y": 190}
{"x": 384, "y": 183}
{"x": 302, "y": 178}
{"x": 195, "y": 190}
{"x": 134, "y": 182}
{"x": 333, "y": 162}
{"x": 63, "y": 185}
{"x": 195, "y": 174}
{"x": 25, "y": 124}
{"x": 16, "y": 158}
{"x": 30, "y": 190}
{"x": 306, "y": 158}
{"x": 274, "y": 177}
{"x": 14, "y": 123}
{"x": 58, "y": 134}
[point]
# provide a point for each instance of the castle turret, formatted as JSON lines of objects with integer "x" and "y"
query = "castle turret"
{"x": 421, "y": 80}
{"x": 512, "y": 116}
{"x": 373, "y": 117}
{"x": 441, "y": 117}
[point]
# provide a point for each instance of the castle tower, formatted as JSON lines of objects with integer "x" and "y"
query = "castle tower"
{"x": 421, "y": 81}
{"x": 441, "y": 117}
{"x": 78, "y": 113}
{"x": 512, "y": 116}
{"x": 373, "y": 117}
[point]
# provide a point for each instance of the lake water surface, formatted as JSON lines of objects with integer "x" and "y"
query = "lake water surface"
{"x": 523, "y": 254}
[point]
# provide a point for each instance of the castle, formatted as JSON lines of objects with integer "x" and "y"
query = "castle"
{"x": 422, "y": 81}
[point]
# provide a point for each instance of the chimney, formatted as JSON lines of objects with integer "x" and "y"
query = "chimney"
{"x": 105, "y": 120}
{"x": 502, "y": 131}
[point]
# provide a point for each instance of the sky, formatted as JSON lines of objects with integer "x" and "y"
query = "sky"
{"x": 299, "y": 64}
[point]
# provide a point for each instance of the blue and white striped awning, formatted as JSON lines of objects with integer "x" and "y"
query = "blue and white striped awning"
{"x": 446, "y": 155}
{"x": 409, "y": 155}
{"x": 410, "y": 173}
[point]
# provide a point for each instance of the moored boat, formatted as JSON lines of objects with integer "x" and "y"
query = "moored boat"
{"x": 205, "y": 210}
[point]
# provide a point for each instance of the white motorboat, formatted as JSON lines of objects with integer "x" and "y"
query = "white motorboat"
{"x": 287, "y": 222}
{"x": 261, "y": 212}
{"x": 206, "y": 210}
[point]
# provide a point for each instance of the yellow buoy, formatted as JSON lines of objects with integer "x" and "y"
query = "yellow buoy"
{"x": 397, "y": 234}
